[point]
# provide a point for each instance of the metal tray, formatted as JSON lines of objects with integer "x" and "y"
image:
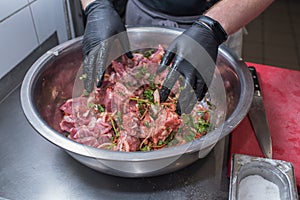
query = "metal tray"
{"x": 279, "y": 172}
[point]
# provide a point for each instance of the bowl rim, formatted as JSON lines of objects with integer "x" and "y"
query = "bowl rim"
{"x": 58, "y": 139}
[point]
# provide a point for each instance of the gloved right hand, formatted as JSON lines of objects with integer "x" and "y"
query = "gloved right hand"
{"x": 201, "y": 40}
{"x": 103, "y": 22}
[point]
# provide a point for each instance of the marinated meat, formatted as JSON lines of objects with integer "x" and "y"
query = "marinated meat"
{"x": 125, "y": 114}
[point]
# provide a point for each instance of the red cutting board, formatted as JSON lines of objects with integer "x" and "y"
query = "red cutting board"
{"x": 281, "y": 94}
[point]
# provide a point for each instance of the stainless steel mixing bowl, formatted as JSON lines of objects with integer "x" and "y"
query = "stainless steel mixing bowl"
{"x": 50, "y": 81}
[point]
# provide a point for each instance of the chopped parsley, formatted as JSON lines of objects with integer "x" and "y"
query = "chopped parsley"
{"x": 85, "y": 93}
{"x": 148, "y": 53}
{"x": 142, "y": 71}
{"x": 100, "y": 108}
{"x": 146, "y": 148}
{"x": 202, "y": 126}
{"x": 119, "y": 118}
{"x": 114, "y": 127}
{"x": 97, "y": 107}
{"x": 147, "y": 124}
{"x": 148, "y": 94}
{"x": 151, "y": 82}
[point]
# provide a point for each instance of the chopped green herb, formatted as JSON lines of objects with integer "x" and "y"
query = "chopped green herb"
{"x": 109, "y": 147}
{"x": 128, "y": 83}
{"x": 139, "y": 100}
{"x": 100, "y": 108}
{"x": 170, "y": 137}
{"x": 148, "y": 94}
{"x": 85, "y": 93}
{"x": 147, "y": 124}
{"x": 188, "y": 120}
{"x": 91, "y": 105}
{"x": 121, "y": 93}
{"x": 160, "y": 142}
{"x": 146, "y": 148}
{"x": 142, "y": 71}
{"x": 141, "y": 107}
{"x": 202, "y": 126}
{"x": 148, "y": 53}
{"x": 151, "y": 82}
{"x": 189, "y": 138}
{"x": 119, "y": 118}
{"x": 114, "y": 127}
{"x": 138, "y": 76}
{"x": 201, "y": 113}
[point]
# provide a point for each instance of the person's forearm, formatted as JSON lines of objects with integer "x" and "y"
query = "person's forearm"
{"x": 85, "y": 3}
{"x": 234, "y": 14}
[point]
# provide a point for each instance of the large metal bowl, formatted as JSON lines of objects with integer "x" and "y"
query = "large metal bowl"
{"x": 50, "y": 82}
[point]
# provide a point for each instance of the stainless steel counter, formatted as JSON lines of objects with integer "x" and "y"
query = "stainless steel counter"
{"x": 33, "y": 168}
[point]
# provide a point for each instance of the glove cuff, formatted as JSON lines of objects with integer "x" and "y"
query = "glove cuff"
{"x": 213, "y": 26}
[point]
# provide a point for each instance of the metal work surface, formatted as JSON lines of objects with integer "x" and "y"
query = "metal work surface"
{"x": 33, "y": 168}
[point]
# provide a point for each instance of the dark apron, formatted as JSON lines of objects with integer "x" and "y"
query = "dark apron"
{"x": 138, "y": 14}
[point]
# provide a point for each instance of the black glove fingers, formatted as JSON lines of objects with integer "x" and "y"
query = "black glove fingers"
{"x": 103, "y": 23}
{"x": 91, "y": 37}
{"x": 89, "y": 69}
{"x": 168, "y": 84}
{"x": 166, "y": 61}
{"x": 187, "y": 98}
{"x": 101, "y": 63}
{"x": 123, "y": 39}
{"x": 186, "y": 102}
{"x": 171, "y": 79}
{"x": 200, "y": 88}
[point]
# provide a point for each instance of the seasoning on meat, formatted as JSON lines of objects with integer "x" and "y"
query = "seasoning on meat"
{"x": 126, "y": 114}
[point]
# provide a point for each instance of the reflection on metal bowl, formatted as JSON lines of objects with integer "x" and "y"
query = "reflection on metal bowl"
{"x": 50, "y": 82}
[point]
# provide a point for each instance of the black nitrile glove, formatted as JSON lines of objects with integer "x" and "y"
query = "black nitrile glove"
{"x": 103, "y": 22}
{"x": 189, "y": 54}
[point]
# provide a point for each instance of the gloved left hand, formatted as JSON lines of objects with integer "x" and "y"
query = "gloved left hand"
{"x": 103, "y": 22}
{"x": 204, "y": 34}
